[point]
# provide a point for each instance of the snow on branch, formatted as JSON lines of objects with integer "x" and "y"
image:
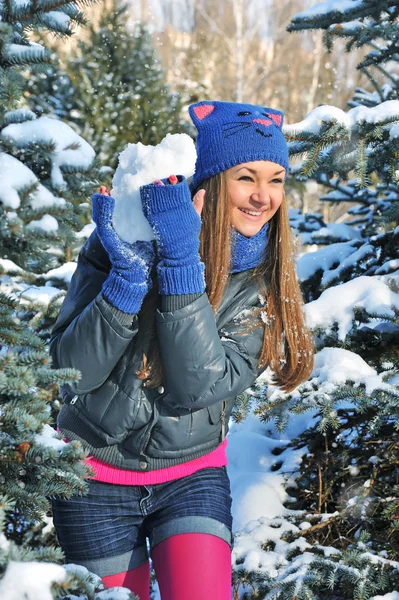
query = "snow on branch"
{"x": 70, "y": 151}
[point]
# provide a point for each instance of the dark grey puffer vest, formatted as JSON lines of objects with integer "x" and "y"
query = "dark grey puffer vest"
{"x": 207, "y": 361}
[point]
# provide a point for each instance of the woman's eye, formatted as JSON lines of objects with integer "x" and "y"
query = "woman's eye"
{"x": 278, "y": 180}
{"x": 245, "y": 178}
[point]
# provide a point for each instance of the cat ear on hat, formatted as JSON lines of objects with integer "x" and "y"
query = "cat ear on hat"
{"x": 276, "y": 116}
{"x": 200, "y": 112}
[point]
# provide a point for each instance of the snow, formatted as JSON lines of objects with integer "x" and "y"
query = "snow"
{"x": 140, "y": 165}
{"x": 19, "y": 114}
{"x": 354, "y": 259}
{"x": 337, "y": 304}
{"x": 348, "y": 28}
{"x": 351, "y": 119}
{"x": 43, "y": 197}
{"x": 324, "y": 8}
{"x": 324, "y": 259}
{"x": 30, "y": 580}
{"x": 23, "y": 51}
{"x": 47, "y": 223}
{"x": 86, "y": 231}
{"x": 375, "y": 114}
{"x": 63, "y": 273}
{"x": 50, "y": 438}
{"x": 389, "y": 596}
{"x": 388, "y": 267}
{"x": 93, "y": 582}
{"x": 335, "y": 366}
{"x": 37, "y": 294}
{"x": 59, "y": 17}
{"x": 70, "y": 149}
{"x": 14, "y": 176}
{"x": 314, "y": 120}
{"x": 342, "y": 231}
{"x": 9, "y": 265}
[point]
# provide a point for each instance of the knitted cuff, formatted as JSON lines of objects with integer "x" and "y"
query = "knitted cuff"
{"x": 171, "y": 303}
{"x": 157, "y": 199}
{"x": 187, "y": 279}
{"x": 124, "y": 319}
{"x": 124, "y": 295}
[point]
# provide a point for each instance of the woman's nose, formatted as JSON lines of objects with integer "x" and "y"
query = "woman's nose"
{"x": 261, "y": 197}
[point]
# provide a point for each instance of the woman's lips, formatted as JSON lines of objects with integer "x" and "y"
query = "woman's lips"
{"x": 253, "y": 217}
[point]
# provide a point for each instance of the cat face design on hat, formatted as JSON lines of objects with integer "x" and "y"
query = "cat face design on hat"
{"x": 250, "y": 116}
{"x": 231, "y": 133}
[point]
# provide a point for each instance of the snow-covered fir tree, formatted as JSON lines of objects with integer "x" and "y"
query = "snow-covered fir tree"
{"x": 335, "y": 533}
{"x": 46, "y": 169}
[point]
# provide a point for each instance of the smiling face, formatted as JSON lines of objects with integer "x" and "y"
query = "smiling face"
{"x": 256, "y": 191}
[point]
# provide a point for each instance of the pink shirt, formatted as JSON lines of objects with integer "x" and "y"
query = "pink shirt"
{"x": 110, "y": 474}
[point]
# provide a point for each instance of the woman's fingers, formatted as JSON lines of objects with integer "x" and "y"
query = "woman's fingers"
{"x": 102, "y": 210}
{"x": 198, "y": 201}
{"x": 104, "y": 191}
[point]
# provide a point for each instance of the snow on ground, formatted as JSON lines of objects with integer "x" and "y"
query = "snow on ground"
{"x": 140, "y": 165}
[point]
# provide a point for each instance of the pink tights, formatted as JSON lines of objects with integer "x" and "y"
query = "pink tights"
{"x": 188, "y": 565}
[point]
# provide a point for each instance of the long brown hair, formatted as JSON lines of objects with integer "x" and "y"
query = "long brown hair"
{"x": 287, "y": 345}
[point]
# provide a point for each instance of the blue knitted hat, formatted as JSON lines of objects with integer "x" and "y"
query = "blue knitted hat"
{"x": 230, "y": 134}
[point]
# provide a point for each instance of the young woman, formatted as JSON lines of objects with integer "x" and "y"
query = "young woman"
{"x": 165, "y": 340}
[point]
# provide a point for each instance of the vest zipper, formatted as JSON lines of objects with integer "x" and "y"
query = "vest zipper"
{"x": 223, "y": 419}
{"x": 74, "y": 399}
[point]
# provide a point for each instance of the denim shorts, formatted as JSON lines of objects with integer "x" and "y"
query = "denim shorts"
{"x": 106, "y": 531}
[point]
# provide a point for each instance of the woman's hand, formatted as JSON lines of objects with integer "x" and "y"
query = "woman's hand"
{"x": 198, "y": 201}
{"x": 129, "y": 279}
{"x": 176, "y": 222}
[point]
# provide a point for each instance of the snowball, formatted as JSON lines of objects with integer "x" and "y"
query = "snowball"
{"x": 140, "y": 165}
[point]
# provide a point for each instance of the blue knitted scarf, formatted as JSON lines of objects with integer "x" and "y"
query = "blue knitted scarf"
{"x": 247, "y": 253}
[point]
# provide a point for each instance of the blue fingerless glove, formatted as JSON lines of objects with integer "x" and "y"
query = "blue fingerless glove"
{"x": 176, "y": 224}
{"x": 129, "y": 280}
